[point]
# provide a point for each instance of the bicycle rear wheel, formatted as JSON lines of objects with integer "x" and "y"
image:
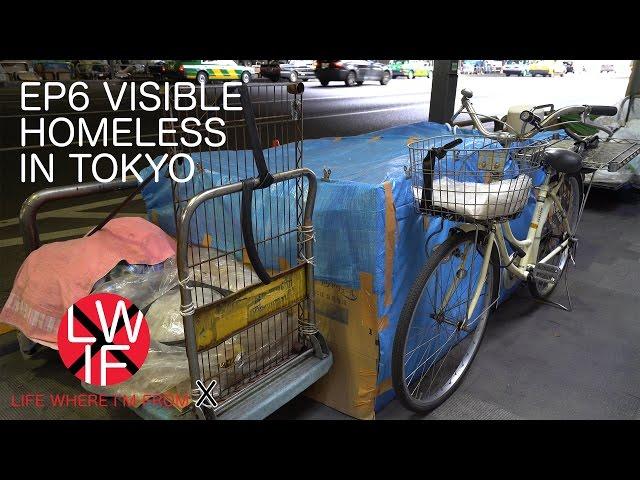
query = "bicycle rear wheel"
{"x": 555, "y": 231}
{"x": 435, "y": 342}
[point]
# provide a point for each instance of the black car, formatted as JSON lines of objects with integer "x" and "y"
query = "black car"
{"x": 351, "y": 72}
{"x": 93, "y": 71}
{"x": 157, "y": 70}
{"x": 289, "y": 70}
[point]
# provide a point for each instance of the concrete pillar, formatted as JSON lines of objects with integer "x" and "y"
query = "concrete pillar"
{"x": 633, "y": 88}
{"x": 443, "y": 90}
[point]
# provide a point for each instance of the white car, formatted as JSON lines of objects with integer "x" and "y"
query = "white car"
{"x": 493, "y": 66}
{"x": 519, "y": 69}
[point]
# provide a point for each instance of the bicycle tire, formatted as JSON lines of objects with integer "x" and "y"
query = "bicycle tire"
{"x": 536, "y": 288}
{"x": 401, "y": 339}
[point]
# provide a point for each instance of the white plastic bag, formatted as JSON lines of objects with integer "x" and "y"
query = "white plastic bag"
{"x": 220, "y": 270}
{"x": 164, "y": 318}
{"x": 481, "y": 200}
{"x": 141, "y": 284}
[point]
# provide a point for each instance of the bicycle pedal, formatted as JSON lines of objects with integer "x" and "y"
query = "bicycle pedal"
{"x": 544, "y": 272}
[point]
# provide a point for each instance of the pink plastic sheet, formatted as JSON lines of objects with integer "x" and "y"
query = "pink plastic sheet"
{"x": 56, "y": 275}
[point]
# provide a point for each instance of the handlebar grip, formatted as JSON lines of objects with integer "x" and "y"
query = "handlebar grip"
{"x": 603, "y": 110}
{"x": 452, "y": 144}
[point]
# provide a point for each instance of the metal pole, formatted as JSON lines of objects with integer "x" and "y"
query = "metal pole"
{"x": 633, "y": 88}
{"x": 31, "y": 206}
{"x": 443, "y": 90}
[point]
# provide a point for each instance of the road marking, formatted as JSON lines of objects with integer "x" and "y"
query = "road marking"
{"x": 332, "y": 97}
{"x": 77, "y": 211}
{"x": 63, "y": 212}
{"x": 12, "y": 242}
{"x": 379, "y": 110}
{"x": 48, "y": 145}
{"x": 68, "y": 113}
{"x": 306, "y": 99}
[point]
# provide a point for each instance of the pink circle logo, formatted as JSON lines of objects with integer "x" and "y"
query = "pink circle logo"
{"x": 103, "y": 339}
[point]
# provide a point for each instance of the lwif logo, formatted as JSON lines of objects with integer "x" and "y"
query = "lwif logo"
{"x": 103, "y": 339}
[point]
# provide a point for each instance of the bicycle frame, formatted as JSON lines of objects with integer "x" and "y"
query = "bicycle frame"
{"x": 500, "y": 234}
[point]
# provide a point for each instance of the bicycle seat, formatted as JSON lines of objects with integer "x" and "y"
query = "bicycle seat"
{"x": 562, "y": 160}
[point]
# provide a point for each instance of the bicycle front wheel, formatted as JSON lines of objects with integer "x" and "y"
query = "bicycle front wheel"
{"x": 436, "y": 339}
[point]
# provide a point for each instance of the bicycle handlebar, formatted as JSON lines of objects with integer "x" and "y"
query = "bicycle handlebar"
{"x": 603, "y": 110}
{"x": 547, "y": 122}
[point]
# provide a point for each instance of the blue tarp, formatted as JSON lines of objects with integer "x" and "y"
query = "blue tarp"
{"x": 349, "y": 216}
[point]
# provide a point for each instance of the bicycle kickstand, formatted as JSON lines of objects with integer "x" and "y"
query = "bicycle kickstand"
{"x": 553, "y": 303}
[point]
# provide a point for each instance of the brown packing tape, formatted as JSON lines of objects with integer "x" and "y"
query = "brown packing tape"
{"x": 154, "y": 217}
{"x": 283, "y": 264}
{"x": 348, "y": 320}
{"x": 367, "y": 390}
{"x": 383, "y": 322}
{"x": 384, "y": 386}
{"x": 425, "y": 222}
{"x": 206, "y": 240}
{"x": 389, "y": 241}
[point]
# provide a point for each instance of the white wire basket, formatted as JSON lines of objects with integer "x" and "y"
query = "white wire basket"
{"x": 473, "y": 179}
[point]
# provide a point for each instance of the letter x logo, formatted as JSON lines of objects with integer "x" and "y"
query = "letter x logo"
{"x": 206, "y": 399}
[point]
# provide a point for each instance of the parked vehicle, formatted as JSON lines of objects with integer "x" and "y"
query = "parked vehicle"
{"x": 202, "y": 71}
{"x": 468, "y": 66}
{"x": 607, "y": 68}
{"x": 156, "y": 68}
{"x": 493, "y": 66}
{"x": 289, "y": 70}
{"x": 479, "y": 67}
{"x": 19, "y": 71}
{"x": 93, "y": 70}
{"x": 351, "y": 72}
{"x": 547, "y": 68}
{"x": 132, "y": 69}
{"x": 54, "y": 70}
{"x": 519, "y": 69}
{"x": 410, "y": 68}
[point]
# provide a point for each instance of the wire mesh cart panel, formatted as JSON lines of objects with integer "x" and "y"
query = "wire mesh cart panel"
{"x": 245, "y": 256}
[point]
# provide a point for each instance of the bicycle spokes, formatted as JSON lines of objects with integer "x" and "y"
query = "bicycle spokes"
{"x": 441, "y": 323}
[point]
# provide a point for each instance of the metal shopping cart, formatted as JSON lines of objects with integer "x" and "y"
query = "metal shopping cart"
{"x": 250, "y": 238}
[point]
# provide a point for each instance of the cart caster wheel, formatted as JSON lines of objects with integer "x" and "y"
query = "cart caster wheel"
{"x": 209, "y": 414}
{"x": 297, "y": 347}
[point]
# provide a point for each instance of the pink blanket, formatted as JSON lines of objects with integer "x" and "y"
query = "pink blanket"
{"x": 56, "y": 275}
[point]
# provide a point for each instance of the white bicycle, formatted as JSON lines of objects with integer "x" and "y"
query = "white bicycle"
{"x": 477, "y": 184}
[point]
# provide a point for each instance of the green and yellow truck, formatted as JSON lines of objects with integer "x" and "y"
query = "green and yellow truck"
{"x": 410, "y": 68}
{"x": 203, "y": 71}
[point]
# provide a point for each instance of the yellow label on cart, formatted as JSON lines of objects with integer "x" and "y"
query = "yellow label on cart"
{"x": 215, "y": 322}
